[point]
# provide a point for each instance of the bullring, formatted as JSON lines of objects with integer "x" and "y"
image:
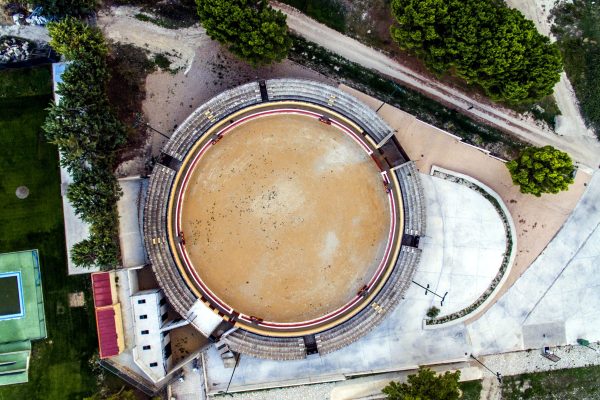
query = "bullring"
{"x": 287, "y": 208}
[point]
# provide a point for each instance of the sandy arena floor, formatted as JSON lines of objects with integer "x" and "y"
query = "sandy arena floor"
{"x": 285, "y": 218}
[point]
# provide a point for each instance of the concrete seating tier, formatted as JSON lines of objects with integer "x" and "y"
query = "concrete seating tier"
{"x": 209, "y": 113}
{"x": 266, "y": 347}
{"x": 384, "y": 302}
{"x": 331, "y": 97}
{"x": 412, "y": 198}
{"x": 156, "y": 240}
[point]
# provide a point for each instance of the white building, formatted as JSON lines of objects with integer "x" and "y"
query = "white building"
{"x": 152, "y": 351}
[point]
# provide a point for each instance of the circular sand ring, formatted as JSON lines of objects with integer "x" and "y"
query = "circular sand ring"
{"x": 22, "y": 192}
{"x": 354, "y": 300}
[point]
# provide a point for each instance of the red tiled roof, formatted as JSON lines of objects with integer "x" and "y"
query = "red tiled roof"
{"x": 101, "y": 289}
{"x": 107, "y": 332}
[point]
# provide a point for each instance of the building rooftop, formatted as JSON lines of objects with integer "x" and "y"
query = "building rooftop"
{"x": 22, "y": 317}
{"x": 108, "y": 315}
{"x": 30, "y": 322}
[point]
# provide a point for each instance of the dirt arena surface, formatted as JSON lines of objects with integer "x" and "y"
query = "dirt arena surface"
{"x": 285, "y": 218}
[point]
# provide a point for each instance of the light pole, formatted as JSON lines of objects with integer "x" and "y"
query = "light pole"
{"x": 139, "y": 120}
{"x": 427, "y": 290}
{"x": 237, "y": 360}
{"x": 498, "y": 374}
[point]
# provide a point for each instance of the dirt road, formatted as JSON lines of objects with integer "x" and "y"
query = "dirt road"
{"x": 584, "y": 149}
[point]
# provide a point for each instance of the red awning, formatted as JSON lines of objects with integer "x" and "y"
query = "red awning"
{"x": 101, "y": 289}
{"x": 107, "y": 332}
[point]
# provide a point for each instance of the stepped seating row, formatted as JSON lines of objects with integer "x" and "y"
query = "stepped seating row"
{"x": 210, "y": 112}
{"x": 266, "y": 347}
{"x": 156, "y": 241}
{"x": 331, "y": 97}
{"x": 384, "y": 302}
{"x": 412, "y": 198}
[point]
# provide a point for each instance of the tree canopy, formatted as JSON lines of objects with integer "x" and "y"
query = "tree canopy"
{"x": 77, "y": 40}
{"x": 88, "y": 134}
{"x": 425, "y": 385}
{"x": 251, "y": 29}
{"x": 484, "y": 42}
{"x": 540, "y": 170}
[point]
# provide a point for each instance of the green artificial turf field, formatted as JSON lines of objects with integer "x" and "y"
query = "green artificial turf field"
{"x": 59, "y": 366}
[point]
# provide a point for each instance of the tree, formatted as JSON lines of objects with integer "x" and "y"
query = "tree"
{"x": 251, "y": 29}
{"x": 94, "y": 194}
{"x": 425, "y": 385}
{"x": 77, "y": 40}
{"x": 88, "y": 135}
{"x": 540, "y": 170}
{"x": 484, "y": 42}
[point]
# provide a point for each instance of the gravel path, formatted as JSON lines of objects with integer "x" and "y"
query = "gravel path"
{"x": 582, "y": 148}
{"x": 307, "y": 392}
{"x": 532, "y": 361}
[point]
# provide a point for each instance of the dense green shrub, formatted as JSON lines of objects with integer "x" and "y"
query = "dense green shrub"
{"x": 484, "y": 42}
{"x": 542, "y": 170}
{"x": 88, "y": 134}
{"x": 250, "y": 29}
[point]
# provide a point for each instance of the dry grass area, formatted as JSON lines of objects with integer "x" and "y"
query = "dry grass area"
{"x": 286, "y": 218}
{"x": 536, "y": 220}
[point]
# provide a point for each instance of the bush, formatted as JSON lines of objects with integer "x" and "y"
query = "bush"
{"x": 433, "y": 312}
{"x": 484, "y": 42}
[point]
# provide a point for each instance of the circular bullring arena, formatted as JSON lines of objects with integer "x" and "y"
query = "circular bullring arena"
{"x": 288, "y": 209}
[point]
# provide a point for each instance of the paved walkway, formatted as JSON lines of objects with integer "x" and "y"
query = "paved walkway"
{"x": 583, "y": 149}
{"x": 557, "y": 300}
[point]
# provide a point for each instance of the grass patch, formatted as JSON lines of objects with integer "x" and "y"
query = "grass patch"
{"x": 328, "y": 12}
{"x": 162, "y": 22}
{"x": 576, "y": 383}
{"x": 471, "y": 390}
{"x": 315, "y": 57}
{"x": 25, "y": 82}
{"x": 577, "y": 29}
{"x": 59, "y": 367}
